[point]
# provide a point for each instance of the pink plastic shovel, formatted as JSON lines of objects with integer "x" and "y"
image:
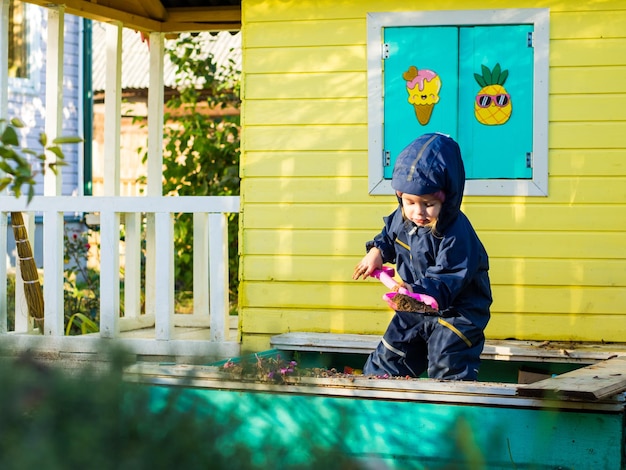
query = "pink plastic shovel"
{"x": 385, "y": 275}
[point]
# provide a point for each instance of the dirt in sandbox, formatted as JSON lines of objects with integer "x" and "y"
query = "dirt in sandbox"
{"x": 406, "y": 303}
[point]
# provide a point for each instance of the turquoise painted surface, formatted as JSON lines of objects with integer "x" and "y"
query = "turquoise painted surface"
{"x": 455, "y": 54}
{"x": 496, "y": 151}
{"x": 432, "y": 48}
{"x": 403, "y": 434}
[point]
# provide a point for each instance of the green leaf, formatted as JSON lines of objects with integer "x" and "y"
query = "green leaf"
{"x": 480, "y": 80}
{"x": 9, "y": 137}
{"x": 56, "y": 151}
{"x": 487, "y": 74}
{"x": 495, "y": 74}
{"x": 43, "y": 139}
{"x": 503, "y": 76}
{"x": 67, "y": 140}
{"x": 4, "y": 182}
{"x": 17, "y": 122}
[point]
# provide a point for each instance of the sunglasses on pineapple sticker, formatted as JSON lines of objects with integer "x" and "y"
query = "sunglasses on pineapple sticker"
{"x": 501, "y": 100}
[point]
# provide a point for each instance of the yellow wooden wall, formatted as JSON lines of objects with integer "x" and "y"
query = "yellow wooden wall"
{"x": 558, "y": 263}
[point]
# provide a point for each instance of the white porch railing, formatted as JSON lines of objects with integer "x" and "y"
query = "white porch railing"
{"x": 160, "y": 325}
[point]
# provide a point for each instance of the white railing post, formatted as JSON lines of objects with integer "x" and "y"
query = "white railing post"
{"x": 132, "y": 265}
{"x": 164, "y": 266}
{"x": 218, "y": 276}
{"x": 53, "y": 232}
{"x": 54, "y": 92}
{"x": 200, "y": 264}
{"x": 109, "y": 273}
{"x": 3, "y": 270}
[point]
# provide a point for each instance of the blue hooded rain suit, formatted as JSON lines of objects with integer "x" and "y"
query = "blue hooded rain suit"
{"x": 448, "y": 263}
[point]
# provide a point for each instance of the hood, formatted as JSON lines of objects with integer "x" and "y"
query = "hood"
{"x": 432, "y": 163}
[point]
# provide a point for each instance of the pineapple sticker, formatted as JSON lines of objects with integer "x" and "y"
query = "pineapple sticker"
{"x": 493, "y": 105}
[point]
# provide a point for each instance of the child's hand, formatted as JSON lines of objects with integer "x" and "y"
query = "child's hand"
{"x": 371, "y": 261}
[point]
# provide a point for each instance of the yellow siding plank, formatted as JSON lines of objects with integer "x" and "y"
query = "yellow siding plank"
{"x": 306, "y": 137}
{"x": 503, "y": 271}
{"x": 549, "y": 327}
{"x": 368, "y": 295}
{"x": 547, "y": 217}
{"x": 290, "y": 164}
{"x": 588, "y": 107}
{"x": 323, "y": 85}
{"x": 587, "y": 24}
{"x": 307, "y": 33}
{"x": 293, "y": 112}
{"x": 589, "y": 162}
{"x": 264, "y": 323}
{"x": 306, "y": 59}
{"x": 274, "y": 321}
{"x": 347, "y": 190}
{"x": 263, "y": 11}
{"x": 500, "y": 244}
{"x": 588, "y": 52}
{"x": 583, "y": 80}
{"x": 583, "y": 135}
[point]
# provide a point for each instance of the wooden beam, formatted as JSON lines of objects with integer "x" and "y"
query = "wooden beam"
{"x": 205, "y": 15}
{"x": 105, "y": 14}
{"x": 169, "y": 27}
{"x": 153, "y": 9}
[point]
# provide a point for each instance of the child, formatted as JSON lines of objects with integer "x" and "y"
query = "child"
{"x": 436, "y": 252}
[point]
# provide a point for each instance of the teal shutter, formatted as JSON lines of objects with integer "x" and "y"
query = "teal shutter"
{"x": 455, "y": 54}
{"x": 497, "y": 151}
{"x": 432, "y": 48}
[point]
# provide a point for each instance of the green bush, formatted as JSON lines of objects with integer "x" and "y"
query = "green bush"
{"x": 92, "y": 419}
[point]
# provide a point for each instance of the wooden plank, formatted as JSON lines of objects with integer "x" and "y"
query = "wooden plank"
{"x": 365, "y": 295}
{"x": 507, "y": 215}
{"x": 572, "y": 80}
{"x": 511, "y": 271}
{"x": 312, "y": 111}
{"x": 307, "y": 33}
{"x": 587, "y": 135}
{"x": 598, "y": 162}
{"x": 510, "y": 350}
{"x": 501, "y": 245}
{"x": 587, "y": 24}
{"x": 323, "y": 85}
{"x": 303, "y": 162}
{"x": 304, "y": 60}
{"x": 593, "y": 382}
{"x": 575, "y": 190}
{"x": 588, "y": 52}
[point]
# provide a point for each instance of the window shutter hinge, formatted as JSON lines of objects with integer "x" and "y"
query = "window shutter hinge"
{"x": 529, "y": 159}
{"x": 530, "y": 40}
{"x": 386, "y": 158}
{"x": 385, "y": 51}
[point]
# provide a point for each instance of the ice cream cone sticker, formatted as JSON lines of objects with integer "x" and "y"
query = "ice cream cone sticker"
{"x": 423, "y": 86}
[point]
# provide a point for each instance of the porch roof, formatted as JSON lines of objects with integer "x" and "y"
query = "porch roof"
{"x": 165, "y": 16}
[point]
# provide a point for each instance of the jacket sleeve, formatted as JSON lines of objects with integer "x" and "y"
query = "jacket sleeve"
{"x": 384, "y": 241}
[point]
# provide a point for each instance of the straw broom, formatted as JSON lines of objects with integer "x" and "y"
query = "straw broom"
{"x": 28, "y": 268}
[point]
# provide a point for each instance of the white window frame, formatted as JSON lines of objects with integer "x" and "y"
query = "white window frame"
{"x": 539, "y": 17}
{"x": 36, "y": 61}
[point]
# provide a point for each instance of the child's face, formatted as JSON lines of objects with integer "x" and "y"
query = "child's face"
{"x": 421, "y": 210}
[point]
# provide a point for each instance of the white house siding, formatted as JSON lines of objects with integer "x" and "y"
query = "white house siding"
{"x": 27, "y": 98}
